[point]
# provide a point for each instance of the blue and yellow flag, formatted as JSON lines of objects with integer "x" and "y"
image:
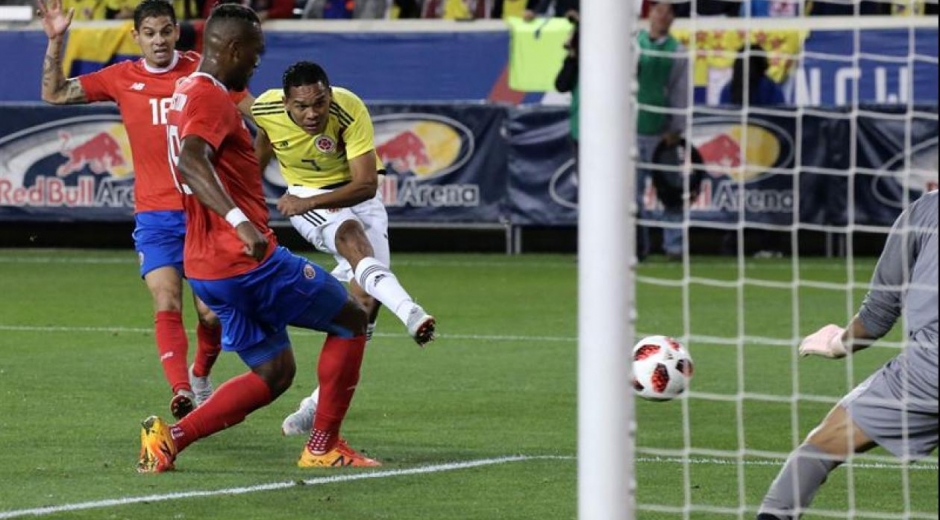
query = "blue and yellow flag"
{"x": 92, "y": 48}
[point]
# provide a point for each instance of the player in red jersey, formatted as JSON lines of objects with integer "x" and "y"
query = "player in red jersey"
{"x": 235, "y": 266}
{"x": 143, "y": 90}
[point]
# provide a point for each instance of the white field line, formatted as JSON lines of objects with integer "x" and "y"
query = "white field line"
{"x": 423, "y": 470}
{"x": 41, "y": 511}
{"x": 297, "y": 332}
{"x": 132, "y": 259}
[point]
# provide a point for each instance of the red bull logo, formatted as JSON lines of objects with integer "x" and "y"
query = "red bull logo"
{"x": 722, "y": 150}
{"x": 101, "y": 153}
{"x": 405, "y": 152}
{"x": 77, "y": 162}
{"x": 742, "y": 152}
{"x": 422, "y": 145}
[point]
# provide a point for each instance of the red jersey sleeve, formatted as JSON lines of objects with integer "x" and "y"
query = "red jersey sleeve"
{"x": 98, "y": 85}
{"x": 209, "y": 116}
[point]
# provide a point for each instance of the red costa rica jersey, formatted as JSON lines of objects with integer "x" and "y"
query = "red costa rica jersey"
{"x": 201, "y": 107}
{"x": 143, "y": 96}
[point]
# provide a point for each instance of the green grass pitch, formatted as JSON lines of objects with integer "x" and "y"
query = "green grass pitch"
{"x": 78, "y": 371}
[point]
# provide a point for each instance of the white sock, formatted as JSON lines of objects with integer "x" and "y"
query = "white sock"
{"x": 380, "y": 283}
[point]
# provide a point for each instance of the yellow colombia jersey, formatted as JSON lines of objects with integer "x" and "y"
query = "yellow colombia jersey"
{"x": 321, "y": 160}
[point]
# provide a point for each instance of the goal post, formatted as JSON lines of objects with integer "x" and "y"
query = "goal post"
{"x": 606, "y": 231}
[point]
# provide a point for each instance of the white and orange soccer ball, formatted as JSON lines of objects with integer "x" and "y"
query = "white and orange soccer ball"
{"x": 662, "y": 368}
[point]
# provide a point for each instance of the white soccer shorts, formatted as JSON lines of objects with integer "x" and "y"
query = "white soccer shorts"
{"x": 320, "y": 225}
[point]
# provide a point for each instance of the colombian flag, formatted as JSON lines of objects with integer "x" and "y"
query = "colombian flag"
{"x": 91, "y": 48}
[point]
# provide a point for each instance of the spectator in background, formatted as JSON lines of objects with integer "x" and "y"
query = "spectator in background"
{"x": 556, "y": 8}
{"x": 509, "y": 8}
{"x": 663, "y": 76}
{"x": 265, "y": 9}
{"x": 407, "y": 8}
{"x": 455, "y": 9}
{"x": 124, "y": 9}
{"x": 760, "y": 88}
{"x": 328, "y": 9}
{"x": 771, "y": 8}
{"x": 710, "y": 8}
{"x": 370, "y": 9}
{"x": 836, "y": 8}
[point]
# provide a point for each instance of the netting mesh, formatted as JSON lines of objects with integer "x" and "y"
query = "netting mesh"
{"x": 811, "y": 134}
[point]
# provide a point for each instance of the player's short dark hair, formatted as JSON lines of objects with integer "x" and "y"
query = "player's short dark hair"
{"x": 304, "y": 73}
{"x": 153, "y": 9}
{"x": 669, "y": 3}
{"x": 226, "y": 12}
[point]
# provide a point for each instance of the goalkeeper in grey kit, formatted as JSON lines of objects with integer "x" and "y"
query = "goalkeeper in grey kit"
{"x": 895, "y": 408}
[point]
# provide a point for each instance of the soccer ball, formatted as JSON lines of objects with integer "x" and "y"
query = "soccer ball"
{"x": 662, "y": 368}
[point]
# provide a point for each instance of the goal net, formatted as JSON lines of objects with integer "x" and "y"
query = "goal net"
{"x": 790, "y": 205}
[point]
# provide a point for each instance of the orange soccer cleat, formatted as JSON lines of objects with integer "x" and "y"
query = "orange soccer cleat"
{"x": 157, "y": 449}
{"x": 340, "y": 456}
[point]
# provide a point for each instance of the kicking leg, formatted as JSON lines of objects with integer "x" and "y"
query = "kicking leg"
{"x": 377, "y": 280}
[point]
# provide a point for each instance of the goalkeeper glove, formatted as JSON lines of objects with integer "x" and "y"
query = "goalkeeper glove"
{"x": 826, "y": 342}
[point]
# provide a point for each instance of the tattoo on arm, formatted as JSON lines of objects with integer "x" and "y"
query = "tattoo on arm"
{"x": 74, "y": 93}
{"x": 55, "y": 87}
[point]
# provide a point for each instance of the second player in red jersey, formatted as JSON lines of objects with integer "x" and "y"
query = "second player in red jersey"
{"x": 142, "y": 90}
{"x": 142, "y": 93}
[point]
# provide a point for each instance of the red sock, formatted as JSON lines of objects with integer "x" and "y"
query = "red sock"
{"x": 172, "y": 345}
{"x": 207, "y": 350}
{"x": 228, "y": 406}
{"x": 338, "y": 374}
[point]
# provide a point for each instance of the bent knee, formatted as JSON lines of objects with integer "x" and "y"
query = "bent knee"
{"x": 207, "y": 318}
{"x": 838, "y": 435}
{"x": 278, "y": 382}
{"x": 167, "y": 298}
{"x": 352, "y": 242}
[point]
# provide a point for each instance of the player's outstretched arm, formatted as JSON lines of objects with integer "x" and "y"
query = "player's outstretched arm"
{"x": 195, "y": 166}
{"x": 56, "y": 89}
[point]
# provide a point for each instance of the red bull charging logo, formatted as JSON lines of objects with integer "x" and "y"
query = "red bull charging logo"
{"x": 423, "y": 145}
{"x": 79, "y": 162}
{"x": 101, "y": 154}
{"x": 742, "y": 152}
{"x": 417, "y": 148}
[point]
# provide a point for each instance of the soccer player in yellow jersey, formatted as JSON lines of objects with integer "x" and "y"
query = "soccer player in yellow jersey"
{"x": 322, "y": 138}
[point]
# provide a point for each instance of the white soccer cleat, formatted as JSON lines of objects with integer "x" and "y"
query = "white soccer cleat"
{"x": 421, "y": 325}
{"x": 202, "y": 387}
{"x": 301, "y": 421}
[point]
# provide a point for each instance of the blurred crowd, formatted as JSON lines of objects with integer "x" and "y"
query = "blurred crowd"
{"x": 492, "y": 9}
